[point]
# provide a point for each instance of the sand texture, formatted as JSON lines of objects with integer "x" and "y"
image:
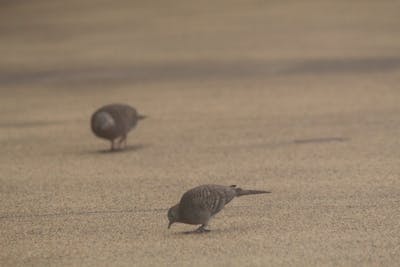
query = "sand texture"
{"x": 301, "y": 98}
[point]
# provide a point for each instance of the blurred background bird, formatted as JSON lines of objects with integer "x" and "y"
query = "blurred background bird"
{"x": 113, "y": 122}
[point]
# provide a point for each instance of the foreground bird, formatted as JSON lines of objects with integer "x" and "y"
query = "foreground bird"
{"x": 113, "y": 122}
{"x": 200, "y": 204}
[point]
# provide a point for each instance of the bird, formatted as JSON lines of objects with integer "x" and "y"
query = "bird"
{"x": 113, "y": 122}
{"x": 201, "y": 203}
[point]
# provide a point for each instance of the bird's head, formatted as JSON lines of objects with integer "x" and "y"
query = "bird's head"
{"x": 104, "y": 121}
{"x": 173, "y": 215}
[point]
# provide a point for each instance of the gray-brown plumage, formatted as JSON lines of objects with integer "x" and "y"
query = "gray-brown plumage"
{"x": 200, "y": 204}
{"x": 113, "y": 122}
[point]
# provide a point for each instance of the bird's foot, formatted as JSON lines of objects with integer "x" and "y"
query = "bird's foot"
{"x": 201, "y": 230}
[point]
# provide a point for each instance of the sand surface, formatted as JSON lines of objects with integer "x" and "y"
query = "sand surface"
{"x": 300, "y": 98}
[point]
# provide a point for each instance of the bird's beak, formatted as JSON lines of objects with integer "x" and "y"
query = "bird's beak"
{"x": 169, "y": 225}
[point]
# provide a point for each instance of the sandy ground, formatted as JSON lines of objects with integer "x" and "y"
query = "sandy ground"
{"x": 300, "y": 98}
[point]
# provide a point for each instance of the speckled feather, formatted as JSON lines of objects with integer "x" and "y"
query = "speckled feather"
{"x": 125, "y": 119}
{"x": 200, "y": 204}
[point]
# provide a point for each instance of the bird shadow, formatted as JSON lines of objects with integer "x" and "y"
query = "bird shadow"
{"x": 308, "y": 141}
{"x": 212, "y": 231}
{"x": 233, "y": 229}
{"x": 127, "y": 149}
{"x": 195, "y": 232}
{"x": 321, "y": 140}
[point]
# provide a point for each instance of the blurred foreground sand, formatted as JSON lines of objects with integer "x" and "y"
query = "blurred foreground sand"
{"x": 302, "y": 99}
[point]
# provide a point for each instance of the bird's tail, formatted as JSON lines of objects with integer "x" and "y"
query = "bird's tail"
{"x": 243, "y": 192}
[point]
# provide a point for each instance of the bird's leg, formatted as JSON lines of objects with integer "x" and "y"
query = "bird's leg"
{"x": 122, "y": 140}
{"x": 112, "y": 145}
{"x": 202, "y": 229}
{"x": 126, "y": 142}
